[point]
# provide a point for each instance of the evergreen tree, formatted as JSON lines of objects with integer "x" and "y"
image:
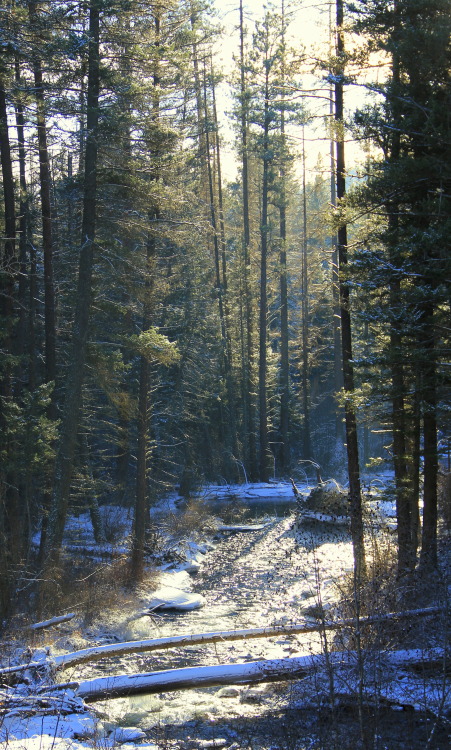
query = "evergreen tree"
{"x": 408, "y": 185}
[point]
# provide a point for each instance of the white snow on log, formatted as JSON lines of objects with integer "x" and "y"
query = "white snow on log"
{"x": 101, "y": 688}
{"x": 262, "y": 491}
{"x": 244, "y": 527}
{"x": 52, "y": 621}
{"x": 310, "y": 515}
{"x": 111, "y": 650}
{"x": 172, "y": 598}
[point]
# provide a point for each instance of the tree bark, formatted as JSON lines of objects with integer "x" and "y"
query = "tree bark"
{"x": 307, "y": 442}
{"x": 429, "y": 552}
{"x": 9, "y": 506}
{"x": 46, "y": 214}
{"x": 263, "y": 334}
{"x": 249, "y": 406}
{"x": 72, "y": 404}
{"x": 345, "y": 315}
{"x": 284, "y": 379}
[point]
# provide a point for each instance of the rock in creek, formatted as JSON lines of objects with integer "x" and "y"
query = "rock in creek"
{"x": 174, "y": 599}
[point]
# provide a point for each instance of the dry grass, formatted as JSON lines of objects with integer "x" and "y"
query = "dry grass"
{"x": 376, "y": 594}
{"x": 196, "y": 517}
{"x": 88, "y": 587}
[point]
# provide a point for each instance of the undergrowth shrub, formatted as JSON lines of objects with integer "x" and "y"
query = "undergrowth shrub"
{"x": 196, "y": 517}
{"x": 89, "y": 587}
{"x": 375, "y": 594}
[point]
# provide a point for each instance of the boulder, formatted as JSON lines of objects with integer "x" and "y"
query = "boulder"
{"x": 168, "y": 598}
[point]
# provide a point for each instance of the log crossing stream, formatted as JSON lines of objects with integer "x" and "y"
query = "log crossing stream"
{"x": 250, "y": 579}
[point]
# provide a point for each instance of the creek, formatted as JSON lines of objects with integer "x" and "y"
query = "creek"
{"x": 250, "y": 579}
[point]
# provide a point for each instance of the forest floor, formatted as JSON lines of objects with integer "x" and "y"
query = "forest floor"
{"x": 272, "y": 574}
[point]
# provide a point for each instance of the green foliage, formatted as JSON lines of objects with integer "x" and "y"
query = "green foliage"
{"x": 29, "y": 436}
{"x": 155, "y": 347}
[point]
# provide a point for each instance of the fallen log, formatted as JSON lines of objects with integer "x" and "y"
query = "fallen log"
{"x": 52, "y": 621}
{"x": 243, "y": 527}
{"x": 273, "y": 670}
{"x": 95, "y": 653}
{"x": 178, "y": 641}
{"x": 104, "y": 688}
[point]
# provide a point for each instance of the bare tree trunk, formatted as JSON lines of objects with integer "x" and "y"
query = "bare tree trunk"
{"x": 307, "y": 442}
{"x": 46, "y": 213}
{"x": 429, "y": 553}
{"x": 9, "y": 509}
{"x": 263, "y": 366}
{"x": 336, "y": 319}
{"x": 284, "y": 375}
{"x": 141, "y": 515}
{"x": 224, "y": 280}
{"x": 345, "y": 314}
{"x": 72, "y": 405}
{"x": 249, "y": 406}
{"x": 23, "y": 232}
{"x": 26, "y": 477}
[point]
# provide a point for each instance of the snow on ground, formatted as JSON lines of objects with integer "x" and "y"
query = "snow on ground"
{"x": 264, "y": 577}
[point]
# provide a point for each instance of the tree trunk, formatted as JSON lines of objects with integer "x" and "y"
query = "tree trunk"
{"x": 23, "y": 235}
{"x": 284, "y": 377}
{"x": 249, "y": 406}
{"x": 224, "y": 280}
{"x": 345, "y": 315}
{"x": 307, "y": 442}
{"x": 72, "y": 404}
{"x": 46, "y": 213}
{"x": 262, "y": 369}
{"x": 141, "y": 515}
{"x": 429, "y": 554}
{"x": 336, "y": 321}
{"x": 9, "y": 509}
{"x": 220, "y": 291}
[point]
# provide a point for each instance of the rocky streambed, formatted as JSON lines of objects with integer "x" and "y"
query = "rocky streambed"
{"x": 249, "y": 579}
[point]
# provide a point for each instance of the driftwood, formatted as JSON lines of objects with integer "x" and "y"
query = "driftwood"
{"x": 243, "y": 527}
{"x": 53, "y": 702}
{"x": 96, "y": 653}
{"x": 104, "y": 688}
{"x": 52, "y": 621}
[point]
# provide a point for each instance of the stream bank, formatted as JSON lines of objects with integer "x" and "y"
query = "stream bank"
{"x": 259, "y": 578}
{"x": 271, "y": 575}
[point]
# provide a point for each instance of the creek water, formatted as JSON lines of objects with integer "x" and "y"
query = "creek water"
{"x": 274, "y": 575}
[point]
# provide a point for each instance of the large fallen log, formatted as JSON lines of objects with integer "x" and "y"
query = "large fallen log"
{"x": 178, "y": 641}
{"x": 52, "y": 621}
{"x": 95, "y": 653}
{"x": 104, "y": 688}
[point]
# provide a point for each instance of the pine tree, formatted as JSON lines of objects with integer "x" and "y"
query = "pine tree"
{"x": 409, "y": 184}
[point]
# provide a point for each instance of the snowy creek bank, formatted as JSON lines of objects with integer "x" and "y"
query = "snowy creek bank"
{"x": 250, "y": 579}
{"x": 246, "y": 578}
